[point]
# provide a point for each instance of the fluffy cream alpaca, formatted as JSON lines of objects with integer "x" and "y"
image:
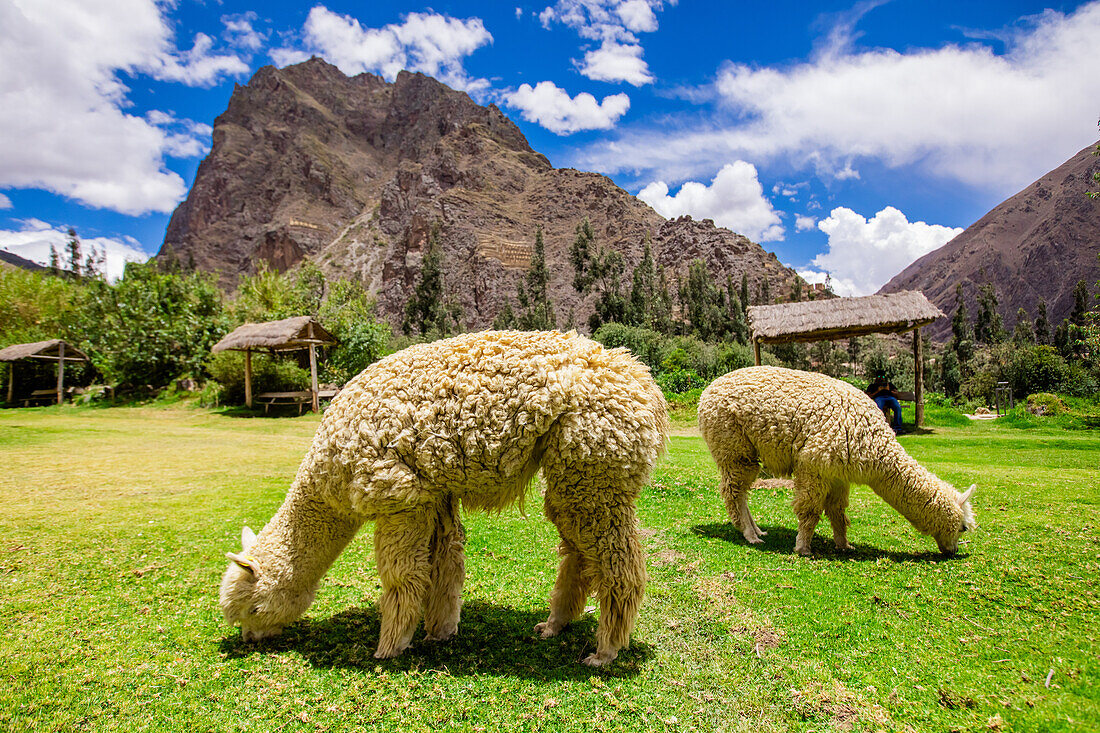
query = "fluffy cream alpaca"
{"x": 466, "y": 423}
{"x": 828, "y": 435}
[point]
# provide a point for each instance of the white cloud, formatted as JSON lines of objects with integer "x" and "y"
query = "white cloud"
{"x": 552, "y": 107}
{"x": 614, "y": 23}
{"x": 5, "y": 202}
{"x": 63, "y": 127}
{"x": 239, "y": 31}
{"x": 427, "y": 42}
{"x": 735, "y": 199}
{"x": 863, "y": 254}
{"x": 959, "y": 112}
{"x": 614, "y": 62}
{"x": 804, "y": 223}
{"x": 33, "y": 242}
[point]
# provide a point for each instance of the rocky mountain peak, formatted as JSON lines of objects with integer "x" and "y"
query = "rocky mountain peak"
{"x": 355, "y": 172}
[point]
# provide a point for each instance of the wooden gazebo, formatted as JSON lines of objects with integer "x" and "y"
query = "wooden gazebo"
{"x": 842, "y": 318}
{"x": 52, "y": 350}
{"x": 289, "y": 334}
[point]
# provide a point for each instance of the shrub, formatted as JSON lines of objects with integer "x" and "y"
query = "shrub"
{"x": 1037, "y": 369}
{"x": 678, "y": 381}
{"x": 1045, "y": 403}
{"x": 269, "y": 374}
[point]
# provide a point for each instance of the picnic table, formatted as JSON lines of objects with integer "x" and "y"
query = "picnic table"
{"x": 300, "y": 398}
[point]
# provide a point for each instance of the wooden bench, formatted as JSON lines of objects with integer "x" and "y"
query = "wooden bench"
{"x": 301, "y": 399}
{"x": 49, "y": 396}
{"x": 267, "y": 399}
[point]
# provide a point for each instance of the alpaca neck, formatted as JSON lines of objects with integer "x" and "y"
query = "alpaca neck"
{"x": 302, "y": 541}
{"x": 908, "y": 487}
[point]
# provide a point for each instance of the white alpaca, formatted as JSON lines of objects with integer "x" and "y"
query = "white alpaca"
{"x": 466, "y": 423}
{"x": 828, "y": 435}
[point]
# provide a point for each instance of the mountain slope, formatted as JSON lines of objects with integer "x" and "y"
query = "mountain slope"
{"x": 356, "y": 172}
{"x": 1036, "y": 245}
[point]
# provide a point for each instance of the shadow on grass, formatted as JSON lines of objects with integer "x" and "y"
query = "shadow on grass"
{"x": 780, "y": 540}
{"x": 491, "y": 639}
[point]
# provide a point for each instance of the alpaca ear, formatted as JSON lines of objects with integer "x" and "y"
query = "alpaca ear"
{"x": 965, "y": 496}
{"x": 248, "y": 538}
{"x": 247, "y": 562}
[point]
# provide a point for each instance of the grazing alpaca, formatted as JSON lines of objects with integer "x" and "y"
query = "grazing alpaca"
{"x": 828, "y": 435}
{"x": 466, "y": 423}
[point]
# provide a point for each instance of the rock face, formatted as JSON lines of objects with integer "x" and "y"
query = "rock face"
{"x": 356, "y": 172}
{"x": 1036, "y": 245}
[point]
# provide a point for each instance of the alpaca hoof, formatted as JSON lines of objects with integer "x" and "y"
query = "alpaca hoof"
{"x": 546, "y": 630}
{"x": 846, "y": 547}
{"x": 599, "y": 660}
{"x": 754, "y": 539}
{"x": 441, "y": 635}
{"x": 388, "y": 653}
{"x": 804, "y": 551}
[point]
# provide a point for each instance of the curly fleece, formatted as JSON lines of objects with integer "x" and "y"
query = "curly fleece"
{"x": 466, "y": 423}
{"x": 828, "y": 435}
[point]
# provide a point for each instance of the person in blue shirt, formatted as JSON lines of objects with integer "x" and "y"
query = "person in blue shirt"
{"x": 885, "y": 396}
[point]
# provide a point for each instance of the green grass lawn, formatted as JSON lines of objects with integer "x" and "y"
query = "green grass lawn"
{"x": 114, "y": 524}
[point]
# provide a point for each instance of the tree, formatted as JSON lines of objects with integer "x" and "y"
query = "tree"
{"x": 703, "y": 301}
{"x": 765, "y": 292}
{"x": 1080, "y": 303}
{"x": 73, "y": 247}
{"x": 152, "y": 326}
{"x": 643, "y": 292}
{"x": 988, "y": 325}
{"x": 1023, "y": 334}
{"x": 1042, "y": 325}
{"x": 599, "y": 269}
{"x": 662, "y": 305}
{"x": 962, "y": 332}
{"x": 735, "y": 326}
{"x": 580, "y": 255}
{"x": 796, "y": 290}
{"x": 426, "y": 310}
{"x": 537, "y": 312}
{"x": 348, "y": 313}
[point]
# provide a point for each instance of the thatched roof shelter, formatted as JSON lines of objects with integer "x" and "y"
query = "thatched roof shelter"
{"x": 289, "y": 334}
{"x": 843, "y": 318}
{"x": 52, "y": 350}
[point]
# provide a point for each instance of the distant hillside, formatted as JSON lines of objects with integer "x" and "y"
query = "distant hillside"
{"x": 355, "y": 172}
{"x": 9, "y": 260}
{"x": 1036, "y": 245}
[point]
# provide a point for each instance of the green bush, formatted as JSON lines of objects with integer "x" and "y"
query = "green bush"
{"x": 1045, "y": 403}
{"x": 1037, "y": 369}
{"x": 269, "y": 374}
{"x": 678, "y": 381}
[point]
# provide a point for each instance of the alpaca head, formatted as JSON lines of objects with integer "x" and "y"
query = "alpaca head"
{"x": 960, "y": 521}
{"x": 251, "y": 597}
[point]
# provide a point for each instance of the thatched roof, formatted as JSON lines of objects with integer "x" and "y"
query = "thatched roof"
{"x": 48, "y": 350}
{"x": 838, "y": 318}
{"x": 290, "y": 333}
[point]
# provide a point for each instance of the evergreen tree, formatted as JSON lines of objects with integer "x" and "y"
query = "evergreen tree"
{"x": 855, "y": 350}
{"x": 55, "y": 261}
{"x": 796, "y": 290}
{"x": 765, "y": 291}
{"x": 536, "y": 310}
{"x": 1080, "y": 304}
{"x": 73, "y": 247}
{"x": 962, "y": 333}
{"x": 988, "y": 325}
{"x": 1042, "y": 325}
{"x": 735, "y": 326}
{"x": 744, "y": 295}
{"x": 1023, "y": 334}
{"x": 506, "y": 319}
{"x": 662, "y": 305}
{"x": 607, "y": 275}
{"x": 704, "y": 302}
{"x": 426, "y": 310}
{"x": 581, "y": 253}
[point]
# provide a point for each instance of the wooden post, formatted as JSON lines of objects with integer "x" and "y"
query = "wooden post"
{"x": 918, "y": 381}
{"x": 60, "y": 372}
{"x": 11, "y": 380}
{"x": 756, "y": 350}
{"x": 248, "y": 377}
{"x": 313, "y": 376}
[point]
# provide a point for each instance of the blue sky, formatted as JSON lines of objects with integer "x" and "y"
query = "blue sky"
{"x": 849, "y": 138}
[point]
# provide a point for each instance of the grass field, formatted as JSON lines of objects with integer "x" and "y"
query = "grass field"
{"x": 114, "y": 524}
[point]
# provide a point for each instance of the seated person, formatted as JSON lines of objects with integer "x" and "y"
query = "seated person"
{"x": 885, "y": 396}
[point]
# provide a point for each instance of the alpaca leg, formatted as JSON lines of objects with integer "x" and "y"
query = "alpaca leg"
{"x": 735, "y": 483}
{"x": 443, "y": 606}
{"x": 401, "y": 549}
{"x": 570, "y": 591}
{"x": 620, "y": 579}
{"x": 809, "y": 498}
{"x": 836, "y": 505}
